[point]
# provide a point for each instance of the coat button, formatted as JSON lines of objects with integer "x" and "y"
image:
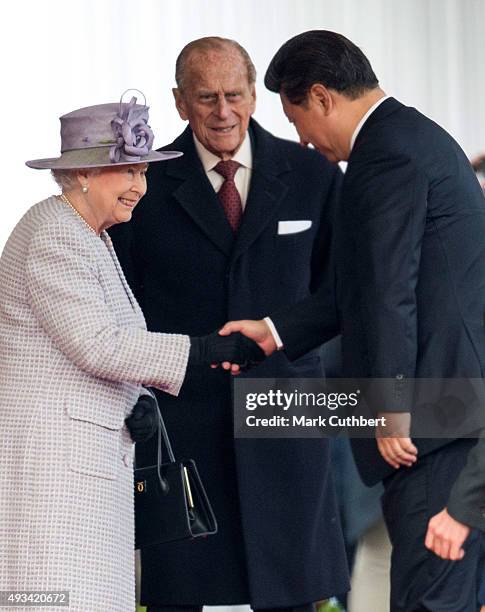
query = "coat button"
{"x": 127, "y": 460}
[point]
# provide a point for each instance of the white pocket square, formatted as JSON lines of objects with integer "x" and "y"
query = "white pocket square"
{"x": 293, "y": 227}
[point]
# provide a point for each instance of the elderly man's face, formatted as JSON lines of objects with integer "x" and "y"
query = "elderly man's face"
{"x": 217, "y": 100}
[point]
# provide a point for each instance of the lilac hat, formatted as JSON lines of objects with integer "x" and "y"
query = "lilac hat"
{"x": 105, "y": 135}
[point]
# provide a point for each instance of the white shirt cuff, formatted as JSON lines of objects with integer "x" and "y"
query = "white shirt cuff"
{"x": 274, "y": 333}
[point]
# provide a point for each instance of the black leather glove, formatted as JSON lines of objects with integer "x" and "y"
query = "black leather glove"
{"x": 143, "y": 420}
{"x": 235, "y": 348}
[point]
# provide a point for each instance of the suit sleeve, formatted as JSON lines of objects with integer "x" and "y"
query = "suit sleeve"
{"x": 390, "y": 211}
{"x": 467, "y": 497}
{"x": 68, "y": 300}
{"x": 323, "y": 254}
{"x": 315, "y": 320}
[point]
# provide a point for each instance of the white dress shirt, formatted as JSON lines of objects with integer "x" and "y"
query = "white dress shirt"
{"x": 242, "y": 178}
{"x": 364, "y": 119}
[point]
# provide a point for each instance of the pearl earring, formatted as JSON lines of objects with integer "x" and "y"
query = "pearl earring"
{"x": 85, "y": 188}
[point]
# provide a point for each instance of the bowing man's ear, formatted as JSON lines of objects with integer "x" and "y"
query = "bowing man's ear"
{"x": 322, "y": 97}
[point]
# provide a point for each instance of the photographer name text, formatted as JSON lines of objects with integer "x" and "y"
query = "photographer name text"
{"x": 320, "y": 421}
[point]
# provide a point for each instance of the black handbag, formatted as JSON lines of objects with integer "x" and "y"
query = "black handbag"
{"x": 170, "y": 499}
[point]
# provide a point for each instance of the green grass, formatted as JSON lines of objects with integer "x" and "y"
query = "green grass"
{"x": 331, "y": 605}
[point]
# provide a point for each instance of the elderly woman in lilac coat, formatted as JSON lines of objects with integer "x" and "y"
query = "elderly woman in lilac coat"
{"x": 74, "y": 354}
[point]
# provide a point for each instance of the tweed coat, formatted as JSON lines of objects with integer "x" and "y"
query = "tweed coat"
{"x": 73, "y": 352}
{"x": 279, "y": 541}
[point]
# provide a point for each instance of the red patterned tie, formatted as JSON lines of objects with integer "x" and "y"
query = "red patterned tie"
{"x": 228, "y": 194}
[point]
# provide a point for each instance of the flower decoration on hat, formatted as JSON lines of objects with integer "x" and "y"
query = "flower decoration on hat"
{"x": 134, "y": 137}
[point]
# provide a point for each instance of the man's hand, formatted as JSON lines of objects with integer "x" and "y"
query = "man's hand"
{"x": 445, "y": 536}
{"x": 393, "y": 440}
{"x": 255, "y": 330}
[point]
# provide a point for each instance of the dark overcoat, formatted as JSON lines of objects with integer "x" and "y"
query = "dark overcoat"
{"x": 279, "y": 541}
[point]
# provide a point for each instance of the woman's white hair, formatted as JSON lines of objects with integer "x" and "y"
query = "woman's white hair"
{"x": 67, "y": 179}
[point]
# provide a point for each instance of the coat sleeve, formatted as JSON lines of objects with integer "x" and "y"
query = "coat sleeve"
{"x": 69, "y": 301}
{"x": 467, "y": 498}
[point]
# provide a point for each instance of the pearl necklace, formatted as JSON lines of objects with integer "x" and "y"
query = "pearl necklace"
{"x": 66, "y": 200}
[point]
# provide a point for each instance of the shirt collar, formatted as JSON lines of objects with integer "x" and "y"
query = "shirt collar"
{"x": 243, "y": 155}
{"x": 364, "y": 119}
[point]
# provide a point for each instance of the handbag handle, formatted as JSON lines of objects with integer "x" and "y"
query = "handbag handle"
{"x": 162, "y": 433}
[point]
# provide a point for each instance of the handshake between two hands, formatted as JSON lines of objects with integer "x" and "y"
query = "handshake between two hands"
{"x": 238, "y": 346}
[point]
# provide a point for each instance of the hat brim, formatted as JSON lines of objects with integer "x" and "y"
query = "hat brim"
{"x": 95, "y": 158}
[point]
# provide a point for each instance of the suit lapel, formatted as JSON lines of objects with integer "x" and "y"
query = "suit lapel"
{"x": 266, "y": 191}
{"x": 196, "y": 195}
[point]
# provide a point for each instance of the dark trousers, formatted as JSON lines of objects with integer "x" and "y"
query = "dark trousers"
{"x": 304, "y": 608}
{"x": 420, "y": 580}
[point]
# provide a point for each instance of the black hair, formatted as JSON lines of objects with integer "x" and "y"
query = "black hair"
{"x": 319, "y": 56}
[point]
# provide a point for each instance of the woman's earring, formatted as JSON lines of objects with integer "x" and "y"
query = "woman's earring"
{"x": 85, "y": 188}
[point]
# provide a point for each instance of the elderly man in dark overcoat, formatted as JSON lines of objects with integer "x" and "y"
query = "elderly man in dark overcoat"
{"x": 237, "y": 227}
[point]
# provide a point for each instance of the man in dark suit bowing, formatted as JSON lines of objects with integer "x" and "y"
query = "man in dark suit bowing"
{"x": 238, "y": 226}
{"x": 410, "y": 255}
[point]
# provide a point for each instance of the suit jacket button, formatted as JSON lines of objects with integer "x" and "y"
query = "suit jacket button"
{"x": 127, "y": 460}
